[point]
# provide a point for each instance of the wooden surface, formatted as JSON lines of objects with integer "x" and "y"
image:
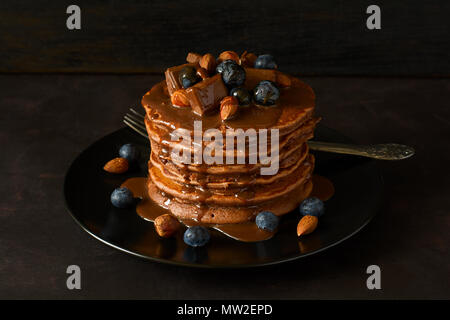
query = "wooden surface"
{"x": 324, "y": 37}
{"x": 48, "y": 119}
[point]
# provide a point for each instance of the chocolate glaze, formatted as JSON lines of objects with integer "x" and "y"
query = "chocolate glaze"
{"x": 149, "y": 210}
{"x": 227, "y": 202}
{"x": 323, "y": 188}
{"x": 246, "y": 232}
{"x": 295, "y": 102}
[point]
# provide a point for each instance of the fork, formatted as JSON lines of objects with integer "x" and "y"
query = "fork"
{"x": 385, "y": 151}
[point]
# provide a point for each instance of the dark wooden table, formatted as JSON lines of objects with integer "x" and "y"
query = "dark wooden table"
{"x": 48, "y": 119}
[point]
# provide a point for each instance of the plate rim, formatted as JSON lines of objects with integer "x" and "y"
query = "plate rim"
{"x": 287, "y": 259}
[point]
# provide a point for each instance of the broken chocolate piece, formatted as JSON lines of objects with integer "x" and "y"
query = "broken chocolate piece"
{"x": 254, "y": 76}
{"x": 173, "y": 83}
{"x": 207, "y": 94}
{"x": 193, "y": 57}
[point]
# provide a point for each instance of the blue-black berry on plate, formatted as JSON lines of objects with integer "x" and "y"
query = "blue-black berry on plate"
{"x": 312, "y": 207}
{"x": 242, "y": 95}
{"x": 129, "y": 152}
{"x": 122, "y": 198}
{"x": 265, "y": 61}
{"x": 196, "y": 236}
{"x": 221, "y": 66}
{"x": 266, "y": 93}
{"x": 266, "y": 220}
{"x": 233, "y": 75}
{"x": 188, "y": 76}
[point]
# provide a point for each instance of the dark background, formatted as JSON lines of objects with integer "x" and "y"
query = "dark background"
{"x": 322, "y": 37}
{"x": 61, "y": 90}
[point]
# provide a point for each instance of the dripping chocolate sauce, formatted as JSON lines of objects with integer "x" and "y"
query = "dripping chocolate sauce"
{"x": 295, "y": 102}
{"x": 247, "y": 232}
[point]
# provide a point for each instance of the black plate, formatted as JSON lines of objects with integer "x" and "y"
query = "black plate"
{"x": 87, "y": 189}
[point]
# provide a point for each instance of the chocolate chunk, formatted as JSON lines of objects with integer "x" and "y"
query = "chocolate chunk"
{"x": 193, "y": 57}
{"x": 173, "y": 84}
{"x": 254, "y": 76}
{"x": 206, "y": 94}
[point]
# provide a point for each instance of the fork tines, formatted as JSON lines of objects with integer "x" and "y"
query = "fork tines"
{"x": 135, "y": 121}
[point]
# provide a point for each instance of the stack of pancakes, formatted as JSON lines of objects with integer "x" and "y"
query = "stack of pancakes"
{"x": 231, "y": 193}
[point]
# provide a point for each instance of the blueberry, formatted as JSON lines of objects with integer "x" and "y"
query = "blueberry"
{"x": 188, "y": 76}
{"x": 221, "y": 66}
{"x": 266, "y": 93}
{"x": 266, "y": 220}
{"x": 122, "y": 198}
{"x": 233, "y": 75}
{"x": 129, "y": 152}
{"x": 265, "y": 61}
{"x": 312, "y": 207}
{"x": 196, "y": 236}
{"x": 242, "y": 95}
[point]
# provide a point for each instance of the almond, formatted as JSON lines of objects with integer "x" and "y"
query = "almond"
{"x": 193, "y": 57}
{"x": 228, "y": 107}
{"x": 202, "y": 73}
{"x": 166, "y": 225}
{"x": 283, "y": 80}
{"x": 116, "y": 165}
{"x": 248, "y": 59}
{"x": 306, "y": 225}
{"x": 179, "y": 98}
{"x": 228, "y": 55}
{"x": 208, "y": 62}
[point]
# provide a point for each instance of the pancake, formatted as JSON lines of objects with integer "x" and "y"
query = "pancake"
{"x": 231, "y": 193}
{"x": 235, "y": 196}
{"x": 161, "y": 137}
{"x": 171, "y": 171}
{"x": 225, "y": 215}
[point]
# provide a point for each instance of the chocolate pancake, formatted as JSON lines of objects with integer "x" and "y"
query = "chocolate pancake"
{"x": 161, "y": 137}
{"x": 225, "y": 214}
{"x": 229, "y": 180}
{"x": 232, "y": 193}
{"x": 235, "y": 196}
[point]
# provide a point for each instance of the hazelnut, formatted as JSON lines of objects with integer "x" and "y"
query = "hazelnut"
{"x": 228, "y": 55}
{"x": 166, "y": 225}
{"x": 202, "y": 73}
{"x": 248, "y": 59}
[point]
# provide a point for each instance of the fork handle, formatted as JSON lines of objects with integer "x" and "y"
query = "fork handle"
{"x": 389, "y": 151}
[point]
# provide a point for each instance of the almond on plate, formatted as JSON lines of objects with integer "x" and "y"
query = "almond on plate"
{"x": 116, "y": 165}
{"x": 306, "y": 225}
